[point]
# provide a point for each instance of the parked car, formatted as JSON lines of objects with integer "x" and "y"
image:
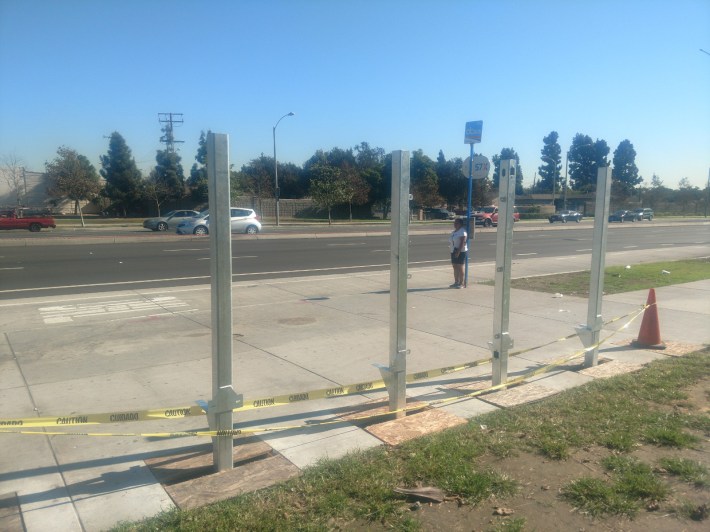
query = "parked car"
{"x": 644, "y": 214}
{"x": 242, "y": 221}
{"x": 438, "y": 214}
{"x": 623, "y": 216}
{"x": 172, "y": 218}
{"x": 566, "y": 216}
{"x": 488, "y": 216}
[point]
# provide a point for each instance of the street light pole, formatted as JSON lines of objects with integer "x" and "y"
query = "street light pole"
{"x": 554, "y": 175}
{"x": 564, "y": 201}
{"x": 276, "y": 171}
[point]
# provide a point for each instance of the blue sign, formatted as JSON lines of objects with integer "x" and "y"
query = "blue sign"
{"x": 474, "y": 130}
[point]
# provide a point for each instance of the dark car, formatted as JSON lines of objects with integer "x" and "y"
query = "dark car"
{"x": 438, "y": 214}
{"x": 624, "y": 216}
{"x": 566, "y": 216}
{"x": 644, "y": 214}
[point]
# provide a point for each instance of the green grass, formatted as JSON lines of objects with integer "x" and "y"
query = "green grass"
{"x": 597, "y": 498}
{"x": 619, "y": 279}
{"x": 621, "y": 413}
{"x": 688, "y": 470}
{"x": 633, "y": 484}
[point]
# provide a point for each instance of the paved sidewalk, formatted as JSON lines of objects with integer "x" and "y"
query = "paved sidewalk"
{"x": 147, "y": 349}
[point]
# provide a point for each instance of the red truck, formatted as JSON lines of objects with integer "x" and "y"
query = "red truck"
{"x": 488, "y": 216}
{"x": 17, "y": 219}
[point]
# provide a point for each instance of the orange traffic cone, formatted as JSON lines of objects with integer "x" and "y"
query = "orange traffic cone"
{"x": 650, "y": 332}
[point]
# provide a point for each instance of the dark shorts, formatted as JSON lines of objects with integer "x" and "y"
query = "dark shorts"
{"x": 461, "y": 259}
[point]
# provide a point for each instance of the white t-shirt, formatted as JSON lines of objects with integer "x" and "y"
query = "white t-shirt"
{"x": 455, "y": 240}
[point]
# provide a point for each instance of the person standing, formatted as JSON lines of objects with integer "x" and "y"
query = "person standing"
{"x": 458, "y": 245}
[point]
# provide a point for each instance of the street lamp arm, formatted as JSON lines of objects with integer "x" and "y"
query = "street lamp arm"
{"x": 276, "y": 169}
{"x": 284, "y": 116}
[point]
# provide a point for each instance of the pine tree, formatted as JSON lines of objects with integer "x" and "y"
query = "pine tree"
{"x": 625, "y": 173}
{"x": 551, "y": 155}
{"x": 123, "y": 179}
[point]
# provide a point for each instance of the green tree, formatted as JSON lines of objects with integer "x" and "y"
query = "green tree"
{"x": 197, "y": 182}
{"x": 505, "y": 154}
{"x": 688, "y": 193}
{"x": 355, "y": 189}
{"x": 424, "y": 181}
{"x": 549, "y": 171}
{"x": 453, "y": 185}
{"x": 585, "y": 156}
{"x": 256, "y": 178}
{"x": 123, "y": 179}
{"x": 291, "y": 181}
{"x": 370, "y": 165}
{"x": 327, "y": 187}
{"x": 72, "y": 176}
{"x": 625, "y": 174}
{"x": 658, "y": 193}
{"x": 156, "y": 191}
{"x": 168, "y": 172}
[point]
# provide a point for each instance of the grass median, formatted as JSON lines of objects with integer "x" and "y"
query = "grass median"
{"x": 621, "y": 278}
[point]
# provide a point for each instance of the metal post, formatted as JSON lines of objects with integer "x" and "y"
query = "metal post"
{"x": 277, "y": 191}
{"x": 468, "y": 215}
{"x": 395, "y": 374}
{"x": 223, "y": 397}
{"x": 502, "y": 340}
{"x": 589, "y": 333}
{"x": 276, "y": 181}
{"x": 564, "y": 200}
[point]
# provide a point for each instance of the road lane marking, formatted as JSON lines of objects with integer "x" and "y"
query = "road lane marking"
{"x": 207, "y": 277}
{"x": 234, "y": 257}
{"x": 668, "y": 244}
{"x": 348, "y": 244}
{"x": 630, "y": 247}
{"x": 14, "y": 268}
{"x": 186, "y": 249}
{"x": 524, "y": 254}
{"x": 579, "y": 250}
{"x": 68, "y": 313}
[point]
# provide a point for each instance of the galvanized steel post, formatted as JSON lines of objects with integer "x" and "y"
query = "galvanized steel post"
{"x": 223, "y": 396}
{"x": 589, "y": 333}
{"x": 399, "y": 257}
{"x": 502, "y": 341}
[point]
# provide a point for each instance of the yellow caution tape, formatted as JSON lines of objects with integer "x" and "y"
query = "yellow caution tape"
{"x": 264, "y": 402}
{"x": 236, "y": 432}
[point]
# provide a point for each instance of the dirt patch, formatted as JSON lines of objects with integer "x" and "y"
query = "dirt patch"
{"x": 538, "y": 502}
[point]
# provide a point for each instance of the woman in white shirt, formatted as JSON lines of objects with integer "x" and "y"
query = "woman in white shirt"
{"x": 458, "y": 244}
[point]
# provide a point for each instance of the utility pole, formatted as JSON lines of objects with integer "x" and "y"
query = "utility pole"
{"x": 170, "y": 121}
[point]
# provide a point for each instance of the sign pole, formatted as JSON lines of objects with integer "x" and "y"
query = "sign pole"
{"x": 468, "y": 216}
{"x": 472, "y": 134}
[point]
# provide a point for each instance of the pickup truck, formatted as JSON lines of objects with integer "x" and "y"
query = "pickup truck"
{"x": 488, "y": 216}
{"x": 16, "y": 219}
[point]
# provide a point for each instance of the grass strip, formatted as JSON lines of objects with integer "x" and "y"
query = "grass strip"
{"x": 688, "y": 470}
{"x": 618, "y": 279}
{"x": 619, "y": 413}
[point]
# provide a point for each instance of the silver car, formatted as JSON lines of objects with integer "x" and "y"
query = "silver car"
{"x": 171, "y": 218}
{"x": 242, "y": 221}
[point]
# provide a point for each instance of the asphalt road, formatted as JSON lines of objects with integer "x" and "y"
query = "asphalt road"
{"x": 30, "y": 271}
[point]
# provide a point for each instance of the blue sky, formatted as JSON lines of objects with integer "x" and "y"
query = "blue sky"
{"x": 397, "y": 74}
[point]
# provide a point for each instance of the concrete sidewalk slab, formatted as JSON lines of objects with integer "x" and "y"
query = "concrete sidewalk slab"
{"x": 291, "y": 335}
